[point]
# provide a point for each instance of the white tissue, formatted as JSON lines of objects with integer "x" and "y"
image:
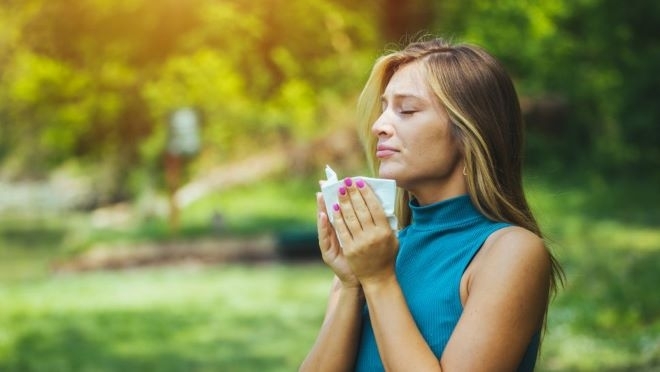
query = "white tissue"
{"x": 330, "y": 175}
{"x": 385, "y": 191}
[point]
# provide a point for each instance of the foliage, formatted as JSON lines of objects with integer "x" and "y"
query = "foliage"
{"x": 592, "y": 61}
{"x": 608, "y": 242}
{"x": 100, "y": 89}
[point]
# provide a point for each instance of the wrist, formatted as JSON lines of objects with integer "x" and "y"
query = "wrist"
{"x": 378, "y": 282}
{"x": 352, "y": 293}
{"x": 348, "y": 288}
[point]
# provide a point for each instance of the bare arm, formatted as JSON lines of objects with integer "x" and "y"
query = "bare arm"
{"x": 505, "y": 306}
{"x": 336, "y": 345}
{"x": 370, "y": 247}
{"x": 400, "y": 343}
{"x": 505, "y": 303}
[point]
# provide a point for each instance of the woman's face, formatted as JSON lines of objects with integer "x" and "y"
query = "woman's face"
{"x": 415, "y": 143}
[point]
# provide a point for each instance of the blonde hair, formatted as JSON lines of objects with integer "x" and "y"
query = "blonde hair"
{"x": 483, "y": 108}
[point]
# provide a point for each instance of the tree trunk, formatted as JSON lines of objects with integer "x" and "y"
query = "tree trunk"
{"x": 406, "y": 20}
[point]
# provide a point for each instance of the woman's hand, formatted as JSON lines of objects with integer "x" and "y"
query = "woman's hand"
{"x": 331, "y": 250}
{"x": 369, "y": 244}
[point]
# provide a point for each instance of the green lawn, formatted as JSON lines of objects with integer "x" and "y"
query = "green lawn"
{"x": 224, "y": 318}
{"x": 240, "y": 317}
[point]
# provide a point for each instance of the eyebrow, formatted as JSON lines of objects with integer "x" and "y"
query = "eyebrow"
{"x": 402, "y": 95}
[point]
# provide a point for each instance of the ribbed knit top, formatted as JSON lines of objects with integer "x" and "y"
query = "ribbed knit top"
{"x": 434, "y": 252}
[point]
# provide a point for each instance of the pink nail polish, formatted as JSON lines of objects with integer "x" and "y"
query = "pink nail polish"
{"x": 359, "y": 183}
{"x": 348, "y": 182}
{"x": 342, "y": 190}
{"x": 336, "y": 207}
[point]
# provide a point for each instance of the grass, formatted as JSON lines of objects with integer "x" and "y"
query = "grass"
{"x": 225, "y": 318}
{"x": 29, "y": 244}
{"x": 265, "y": 316}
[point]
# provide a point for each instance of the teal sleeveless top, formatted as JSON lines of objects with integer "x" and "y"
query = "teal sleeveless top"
{"x": 434, "y": 252}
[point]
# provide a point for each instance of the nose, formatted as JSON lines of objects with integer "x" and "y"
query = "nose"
{"x": 382, "y": 127}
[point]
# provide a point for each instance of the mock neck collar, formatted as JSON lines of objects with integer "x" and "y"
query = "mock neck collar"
{"x": 445, "y": 214}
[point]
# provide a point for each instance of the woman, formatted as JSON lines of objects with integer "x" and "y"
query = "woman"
{"x": 465, "y": 284}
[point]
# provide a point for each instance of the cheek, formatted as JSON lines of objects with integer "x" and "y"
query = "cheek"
{"x": 436, "y": 149}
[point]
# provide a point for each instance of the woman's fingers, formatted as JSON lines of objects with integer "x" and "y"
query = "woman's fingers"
{"x": 320, "y": 203}
{"x": 360, "y": 206}
{"x": 368, "y": 242}
{"x": 326, "y": 235}
{"x": 320, "y": 224}
{"x": 349, "y": 208}
{"x": 372, "y": 203}
{"x": 344, "y": 234}
{"x": 358, "y": 209}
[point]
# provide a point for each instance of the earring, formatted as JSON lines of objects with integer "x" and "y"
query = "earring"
{"x": 465, "y": 170}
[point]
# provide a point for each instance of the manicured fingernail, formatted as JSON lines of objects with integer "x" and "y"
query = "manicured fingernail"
{"x": 348, "y": 182}
{"x": 342, "y": 190}
{"x": 336, "y": 207}
{"x": 359, "y": 183}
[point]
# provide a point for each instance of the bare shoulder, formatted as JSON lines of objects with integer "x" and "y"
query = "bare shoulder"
{"x": 512, "y": 257}
{"x": 505, "y": 298}
{"x": 516, "y": 246}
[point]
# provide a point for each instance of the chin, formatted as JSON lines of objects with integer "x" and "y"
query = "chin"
{"x": 388, "y": 173}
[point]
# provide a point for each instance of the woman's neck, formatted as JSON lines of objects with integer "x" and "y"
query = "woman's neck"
{"x": 439, "y": 190}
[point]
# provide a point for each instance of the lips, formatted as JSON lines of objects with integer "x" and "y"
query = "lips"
{"x": 383, "y": 151}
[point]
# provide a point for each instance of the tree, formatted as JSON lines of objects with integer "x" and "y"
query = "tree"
{"x": 98, "y": 90}
{"x": 592, "y": 59}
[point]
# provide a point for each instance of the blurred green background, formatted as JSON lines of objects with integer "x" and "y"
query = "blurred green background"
{"x": 121, "y": 251}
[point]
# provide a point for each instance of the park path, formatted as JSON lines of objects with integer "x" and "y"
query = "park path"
{"x": 204, "y": 251}
{"x": 242, "y": 172}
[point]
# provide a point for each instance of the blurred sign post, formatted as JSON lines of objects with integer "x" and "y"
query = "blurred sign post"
{"x": 183, "y": 142}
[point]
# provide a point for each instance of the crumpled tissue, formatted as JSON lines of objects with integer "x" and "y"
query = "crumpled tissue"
{"x": 384, "y": 189}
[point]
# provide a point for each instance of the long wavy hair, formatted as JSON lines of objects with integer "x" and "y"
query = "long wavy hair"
{"x": 485, "y": 115}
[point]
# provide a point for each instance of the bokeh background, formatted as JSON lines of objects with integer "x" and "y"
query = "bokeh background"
{"x": 159, "y": 159}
